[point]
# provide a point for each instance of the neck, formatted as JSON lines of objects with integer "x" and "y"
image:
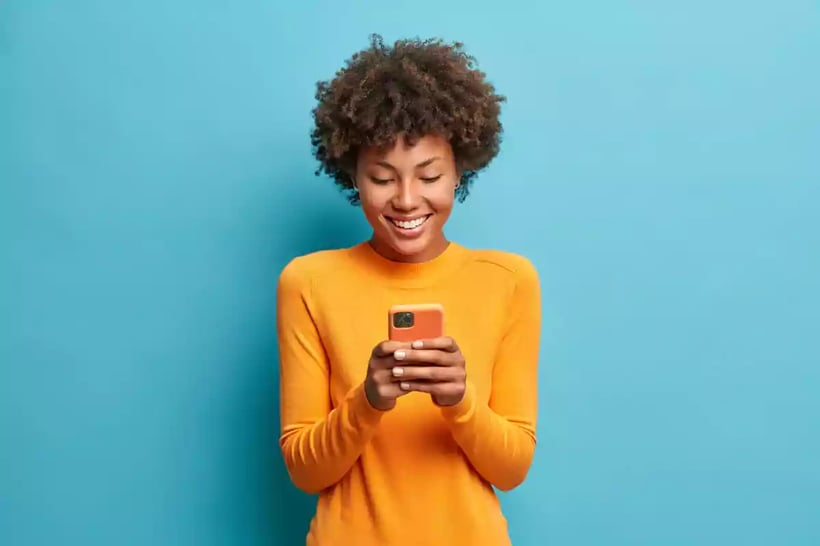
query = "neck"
{"x": 430, "y": 252}
{"x": 404, "y": 273}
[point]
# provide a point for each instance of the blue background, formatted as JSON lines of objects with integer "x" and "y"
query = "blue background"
{"x": 660, "y": 167}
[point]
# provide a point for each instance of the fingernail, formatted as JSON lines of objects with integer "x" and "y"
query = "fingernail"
{"x": 398, "y": 372}
{"x": 398, "y": 355}
{"x": 417, "y": 344}
{"x": 404, "y": 386}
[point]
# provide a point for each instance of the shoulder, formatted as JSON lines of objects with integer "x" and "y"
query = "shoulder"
{"x": 301, "y": 271}
{"x": 515, "y": 265}
{"x": 514, "y": 271}
{"x": 517, "y": 274}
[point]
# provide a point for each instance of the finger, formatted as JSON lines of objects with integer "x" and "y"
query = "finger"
{"x": 426, "y": 373}
{"x": 387, "y": 348}
{"x": 438, "y": 389}
{"x": 386, "y": 382}
{"x": 382, "y": 376}
{"x": 444, "y": 343}
{"x": 435, "y": 357}
{"x": 390, "y": 390}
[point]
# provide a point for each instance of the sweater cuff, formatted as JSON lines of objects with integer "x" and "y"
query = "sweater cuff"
{"x": 361, "y": 412}
{"x": 464, "y": 410}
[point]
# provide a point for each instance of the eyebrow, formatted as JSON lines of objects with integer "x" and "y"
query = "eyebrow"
{"x": 419, "y": 165}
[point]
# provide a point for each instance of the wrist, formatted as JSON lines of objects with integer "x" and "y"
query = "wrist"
{"x": 464, "y": 409}
{"x": 362, "y": 413}
{"x": 373, "y": 400}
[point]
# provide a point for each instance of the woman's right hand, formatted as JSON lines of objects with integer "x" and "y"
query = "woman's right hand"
{"x": 380, "y": 386}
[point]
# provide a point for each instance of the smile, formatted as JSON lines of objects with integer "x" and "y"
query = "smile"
{"x": 410, "y": 224}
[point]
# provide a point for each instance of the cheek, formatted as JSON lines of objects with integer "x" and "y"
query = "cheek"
{"x": 442, "y": 199}
{"x": 371, "y": 204}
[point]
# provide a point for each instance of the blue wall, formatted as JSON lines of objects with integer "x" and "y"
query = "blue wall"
{"x": 660, "y": 168}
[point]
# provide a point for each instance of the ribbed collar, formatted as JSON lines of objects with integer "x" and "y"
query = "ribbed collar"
{"x": 409, "y": 274}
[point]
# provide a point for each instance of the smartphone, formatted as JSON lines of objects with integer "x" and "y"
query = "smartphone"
{"x": 410, "y": 322}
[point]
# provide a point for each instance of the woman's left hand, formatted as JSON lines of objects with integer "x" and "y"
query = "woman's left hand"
{"x": 435, "y": 366}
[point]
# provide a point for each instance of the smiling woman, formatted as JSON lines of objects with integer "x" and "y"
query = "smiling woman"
{"x": 406, "y": 440}
{"x": 406, "y": 193}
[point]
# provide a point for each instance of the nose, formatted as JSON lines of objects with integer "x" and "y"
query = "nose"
{"x": 406, "y": 196}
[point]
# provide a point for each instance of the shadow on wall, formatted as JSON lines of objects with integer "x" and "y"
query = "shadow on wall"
{"x": 286, "y": 510}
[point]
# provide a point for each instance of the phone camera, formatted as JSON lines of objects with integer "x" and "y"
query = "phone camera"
{"x": 404, "y": 319}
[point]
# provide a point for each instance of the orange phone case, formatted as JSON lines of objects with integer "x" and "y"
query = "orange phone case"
{"x": 427, "y": 321}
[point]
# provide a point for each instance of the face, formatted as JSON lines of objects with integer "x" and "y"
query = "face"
{"x": 406, "y": 194}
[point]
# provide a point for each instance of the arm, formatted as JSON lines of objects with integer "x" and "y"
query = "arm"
{"x": 499, "y": 438}
{"x": 319, "y": 443}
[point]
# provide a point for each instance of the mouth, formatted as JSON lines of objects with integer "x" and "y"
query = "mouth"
{"x": 408, "y": 225}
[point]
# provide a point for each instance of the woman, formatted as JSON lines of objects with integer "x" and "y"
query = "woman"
{"x": 405, "y": 442}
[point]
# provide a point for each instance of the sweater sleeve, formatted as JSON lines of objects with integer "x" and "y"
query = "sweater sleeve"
{"x": 319, "y": 442}
{"x": 499, "y": 437}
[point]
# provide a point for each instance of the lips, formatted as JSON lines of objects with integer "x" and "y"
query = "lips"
{"x": 408, "y": 227}
{"x": 409, "y": 223}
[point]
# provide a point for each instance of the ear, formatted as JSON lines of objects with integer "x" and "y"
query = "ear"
{"x": 459, "y": 172}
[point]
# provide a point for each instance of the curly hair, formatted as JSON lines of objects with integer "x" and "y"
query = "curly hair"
{"x": 415, "y": 88}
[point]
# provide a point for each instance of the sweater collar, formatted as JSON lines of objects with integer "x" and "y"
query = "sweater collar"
{"x": 410, "y": 274}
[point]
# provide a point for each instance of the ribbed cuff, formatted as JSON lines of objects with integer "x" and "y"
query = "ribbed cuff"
{"x": 361, "y": 412}
{"x": 464, "y": 410}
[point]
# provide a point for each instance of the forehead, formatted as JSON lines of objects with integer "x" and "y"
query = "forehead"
{"x": 404, "y": 154}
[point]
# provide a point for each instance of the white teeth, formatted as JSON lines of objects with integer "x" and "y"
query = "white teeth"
{"x": 410, "y": 224}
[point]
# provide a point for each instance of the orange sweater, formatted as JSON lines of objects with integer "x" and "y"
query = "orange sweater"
{"x": 417, "y": 474}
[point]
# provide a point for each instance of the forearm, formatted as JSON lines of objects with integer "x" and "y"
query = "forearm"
{"x": 500, "y": 449}
{"x": 320, "y": 453}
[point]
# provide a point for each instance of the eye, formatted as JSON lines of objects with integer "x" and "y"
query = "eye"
{"x": 380, "y": 181}
{"x": 430, "y": 179}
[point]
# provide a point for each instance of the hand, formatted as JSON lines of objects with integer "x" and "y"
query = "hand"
{"x": 379, "y": 385}
{"x": 434, "y": 366}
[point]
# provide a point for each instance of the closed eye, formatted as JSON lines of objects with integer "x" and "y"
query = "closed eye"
{"x": 431, "y": 178}
{"x": 380, "y": 180}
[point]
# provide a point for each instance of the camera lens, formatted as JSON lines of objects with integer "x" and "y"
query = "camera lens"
{"x": 404, "y": 319}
